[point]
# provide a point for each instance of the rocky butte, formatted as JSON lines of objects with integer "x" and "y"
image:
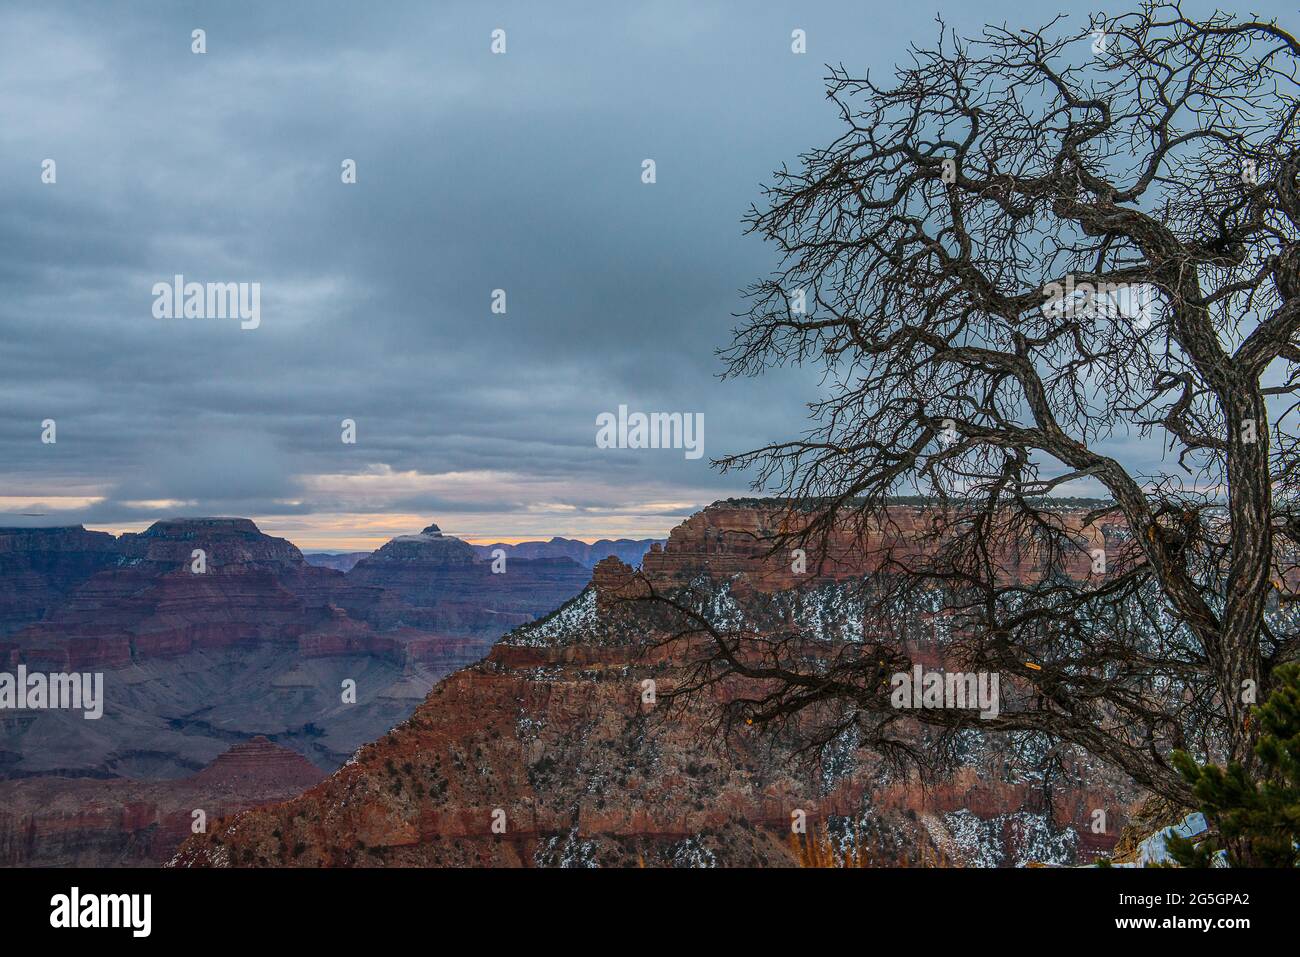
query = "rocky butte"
{"x": 548, "y": 753}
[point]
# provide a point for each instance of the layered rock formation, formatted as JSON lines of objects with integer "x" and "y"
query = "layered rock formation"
{"x": 739, "y": 538}
{"x": 563, "y": 747}
{"x": 202, "y": 651}
{"x": 40, "y": 566}
{"x": 57, "y": 822}
{"x": 146, "y": 600}
{"x": 134, "y": 605}
{"x": 431, "y": 578}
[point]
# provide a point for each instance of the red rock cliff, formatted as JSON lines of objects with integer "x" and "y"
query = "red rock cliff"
{"x": 558, "y": 750}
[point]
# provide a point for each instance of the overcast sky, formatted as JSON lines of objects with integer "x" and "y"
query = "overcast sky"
{"x": 475, "y": 171}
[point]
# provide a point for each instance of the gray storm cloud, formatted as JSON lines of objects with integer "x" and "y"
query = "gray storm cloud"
{"x": 474, "y": 172}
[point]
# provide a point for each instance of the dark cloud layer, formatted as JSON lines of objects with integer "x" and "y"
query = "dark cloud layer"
{"x": 475, "y": 172}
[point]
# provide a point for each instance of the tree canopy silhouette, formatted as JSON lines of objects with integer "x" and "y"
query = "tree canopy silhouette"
{"x": 1025, "y": 250}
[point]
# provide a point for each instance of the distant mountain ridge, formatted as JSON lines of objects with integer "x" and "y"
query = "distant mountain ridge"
{"x": 627, "y": 550}
{"x": 587, "y": 554}
{"x": 339, "y": 561}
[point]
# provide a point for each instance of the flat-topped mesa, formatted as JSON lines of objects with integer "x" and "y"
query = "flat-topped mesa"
{"x": 182, "y": 527}
{"x": 40, "y": 566}
{"x": 155, "y": 598}
{"x": 737, "y": 540}
{"x": 55, "y": 538}
{"x": 224, "y": 542}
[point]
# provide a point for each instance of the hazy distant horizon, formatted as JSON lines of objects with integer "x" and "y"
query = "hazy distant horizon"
{"x": 370, "y": 543}
{"x": 312, "y": 541}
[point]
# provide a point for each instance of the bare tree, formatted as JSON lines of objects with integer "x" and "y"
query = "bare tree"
{"x": 1024, "y": 251}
